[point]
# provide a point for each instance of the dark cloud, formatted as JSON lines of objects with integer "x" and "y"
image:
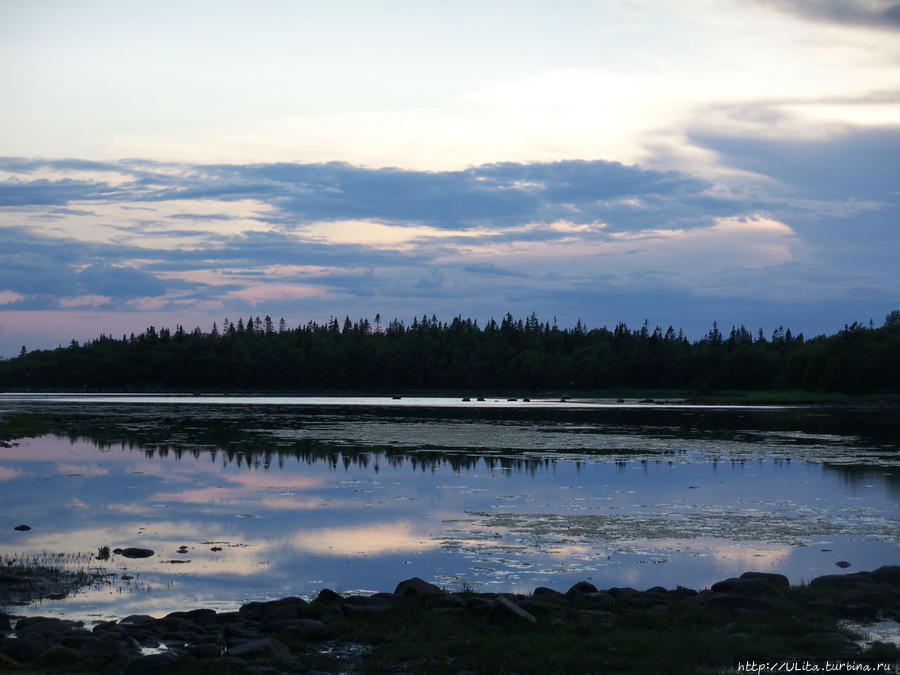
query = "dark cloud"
{"x": 883, "y": 14}
{"x": 862, "y": 163}
{"x": 496, "y": 195}
{"x": 491, "y": 270}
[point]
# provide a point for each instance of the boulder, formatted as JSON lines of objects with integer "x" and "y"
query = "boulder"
{"x": 547, "y": 593}
{"x": 256, "y": 648}
{"x": 887, "y": 574}
{"x": 581, "y": 588}
{"x": 758, "y": 587}
{"x": 733, "y": 601}
{"x": 152, "y": 663}
{"x": 328, "y": 597}
{"x": 778, "y": 580}
{"x": 504, "y": 609}
{"x": 417, "y": 587}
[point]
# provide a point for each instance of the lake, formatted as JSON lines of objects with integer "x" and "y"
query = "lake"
{"x": 249, "y": 498}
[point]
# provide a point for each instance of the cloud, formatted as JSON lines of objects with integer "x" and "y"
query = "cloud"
{"x": 496, "y": 195}
{"x": 882, "y": 14}
{"x": 595, "y": 240}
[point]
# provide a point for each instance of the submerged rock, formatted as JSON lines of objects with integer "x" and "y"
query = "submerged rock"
{"x": 133, "y": 552}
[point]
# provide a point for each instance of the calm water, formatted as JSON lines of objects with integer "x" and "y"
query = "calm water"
{"x": 357, "y": 494}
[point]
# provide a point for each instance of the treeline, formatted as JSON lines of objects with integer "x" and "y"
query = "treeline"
{"x": 364, "y": 356}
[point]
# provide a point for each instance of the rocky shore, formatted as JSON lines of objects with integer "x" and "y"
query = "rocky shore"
{"x": 420, "y": 628}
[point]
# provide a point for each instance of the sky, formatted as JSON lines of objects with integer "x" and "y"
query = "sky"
{"x": 180, "y": 163}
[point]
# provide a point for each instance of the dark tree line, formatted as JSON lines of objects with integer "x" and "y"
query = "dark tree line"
{"x": 428, "y": 354}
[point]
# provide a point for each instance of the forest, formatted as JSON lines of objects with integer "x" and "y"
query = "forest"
{"x": 514, "y": 355}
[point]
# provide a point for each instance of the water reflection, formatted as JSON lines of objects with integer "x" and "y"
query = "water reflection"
{"x": 270, "y": 503}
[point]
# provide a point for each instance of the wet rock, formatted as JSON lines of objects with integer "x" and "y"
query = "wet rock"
{"x": 581, "y": 588}
{"x": 207, "y": 650}
{"x": 504, "y": 609}
{"x": 133, "y": 552}
{"x": 152, "y": 663}
{"x": 199, "y": 616}
{"x": 22, "y": 528}
{"x": 417, "y": 587}
{"x": 5, "y": 625}
{"x": 59, "y": 658}
{"x": 257, "y": 648}
{"x": 303, "y": 631}
{"x": 24, "y": 649}
{"x": 280, "y": 613}
{"x": 46, "y": 626}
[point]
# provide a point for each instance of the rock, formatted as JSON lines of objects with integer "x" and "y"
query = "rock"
{"x": 304, "y": 630}
{"x": 581, "y": 588}
{"x": 846, "y": 581}
{"x": 680, "y": 593}
{"x": 842, "y": 564}
{"x": 205, "y": 651}
{"x": 777, "y": 580}
{"x": 255, "y": 648}
{"x": 725, "y": 585}
{"x": 732, "y": 601}
{"x": 24, "y": 649}
{"x": 133, "y": 552}
{"x": 887, "y": 574}
{"x": 758, "y": 587}
{"x": 448, "y": 601}
{"x": 46, "y": 626}
{"x": 351, "y": 609}
{"x": 543, "y": 592}
{"x": 504, "y": 609}
{"x": 152, "y": 663}
{"x": 623, "y": 593}
{"x": 328, "y": 597}
{"x": 8, "y": 663}
{"x": 22, "y": 528}
{"x": 597, "y": 615}
{"x": 601, "y": 600}
{"x": 837, "y": 642}
{"x": 417, "y": 587}
{"x": 539, "y": 607}
{"x": 280, "y": 613}
{"x": 58, "y": 658}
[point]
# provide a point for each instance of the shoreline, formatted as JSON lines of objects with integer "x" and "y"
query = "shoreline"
{"x": 420, "y": 627}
